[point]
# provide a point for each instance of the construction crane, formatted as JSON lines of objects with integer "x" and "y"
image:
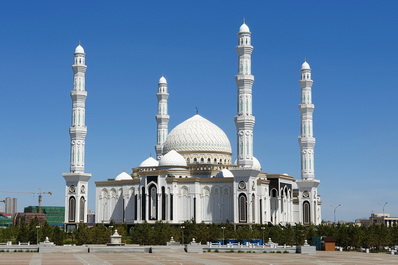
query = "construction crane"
{"x": 31, "y": 192}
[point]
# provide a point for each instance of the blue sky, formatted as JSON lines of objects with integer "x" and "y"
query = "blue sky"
{"x": 352, "y": 47}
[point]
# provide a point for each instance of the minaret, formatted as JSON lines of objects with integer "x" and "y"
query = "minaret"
{"x": 162, "y": 118}
{"x": 306, "y": 140}
{"x": 244, "y": 121}
{"x": 77, "y": 180}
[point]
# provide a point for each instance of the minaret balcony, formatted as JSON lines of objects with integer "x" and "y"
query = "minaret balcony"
{"x": 306, "y": 83}
{"x": 79, "y": 68}
{"x": 306, "y": 142}
{"x": 78, "y": 132}
{"x": 244, "y": 77}
{"x": 243, "y": 81}
{"x": 161, "y": 118}
{"x": 306, "y": 108}
{"x": 78, "y": 95}
{"x": 245, "y": 122}
{"x": 161, "y": 96}
{"x": 244, "y": 49}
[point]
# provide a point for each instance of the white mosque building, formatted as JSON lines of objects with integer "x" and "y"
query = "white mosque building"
{"x": 194, "y": 176}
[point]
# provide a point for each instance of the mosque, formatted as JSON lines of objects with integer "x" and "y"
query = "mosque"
{"x": 194, "y": 176}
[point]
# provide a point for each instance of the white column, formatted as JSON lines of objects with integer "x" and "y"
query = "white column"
{"x": 78, "y": 128}
{"x": 146, "y": 206}
{"x": 77, "y": 180}
{"x": 306, "y": 140}
{"x": 159, "y": 206}
{"x": 162, "y": 118}
{"x": 244, "y": 120}
{"x": 139, "y": 205}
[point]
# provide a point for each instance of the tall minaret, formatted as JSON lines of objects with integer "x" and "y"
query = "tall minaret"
{"x": 77, "y": 180}
{"x": 306, "y": 140}
{"x": 244, "y": 121}
{"x": 162, "y": 118}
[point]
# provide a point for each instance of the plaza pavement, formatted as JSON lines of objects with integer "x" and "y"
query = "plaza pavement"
{"x": 323, "y": 258}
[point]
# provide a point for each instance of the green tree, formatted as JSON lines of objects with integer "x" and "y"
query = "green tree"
{"x": 142, "y": 234}
{"x": 58, "y": 235}
{"x": 32, "y": 231}
{"x": 83, "y": 235}
{"x": 22, "y": 234}
{"x": 45, "y": 231}
{"x": 100, "y": 234}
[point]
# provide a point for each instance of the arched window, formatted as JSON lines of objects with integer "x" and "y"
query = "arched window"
{"x": 254, "y": 208}
{"x": 153, "y": 202}
{"x": 306, "y": 213}
{"x": 163, "y": 203}
{"x": 242, "y": 204}
{"x": 72, "y": 209}
{"x": 82, "y": 204}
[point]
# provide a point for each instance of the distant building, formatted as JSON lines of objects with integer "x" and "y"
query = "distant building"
{"x": 11, "y": 205}
{"x": 5, "y": 220}
{"x": 29, "y": 217}
{"x": 90, "y": 218}
{"x": 54, "y": 215}
{"x": 378, "y": 218}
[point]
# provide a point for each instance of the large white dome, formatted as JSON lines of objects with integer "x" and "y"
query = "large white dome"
{"x": 197, "y": 135}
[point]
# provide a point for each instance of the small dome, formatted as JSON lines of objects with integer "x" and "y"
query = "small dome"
{"x": 225, "y": 173}
{"x": 172, "y": 158}
{"x": 79, "y": 49}
{"x": 305, "y": 66}
{"x": 256, "y": 164}
{"x": 244, "y": 28}
{"x": 123, "y": 176}
{"x": 162, "y": 80}
{"x": 149, "y": 162}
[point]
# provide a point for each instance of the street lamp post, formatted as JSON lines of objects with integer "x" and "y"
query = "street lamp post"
{"x": 223, "y": 235}
{"x": 263, "y": 228}
{"x": 182, "y": 234}
{"x": 110, "y": 232}
{"x": 335, "y": 212}
{"x": 37, "y": 234}
{"x": 383, "y": 206}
